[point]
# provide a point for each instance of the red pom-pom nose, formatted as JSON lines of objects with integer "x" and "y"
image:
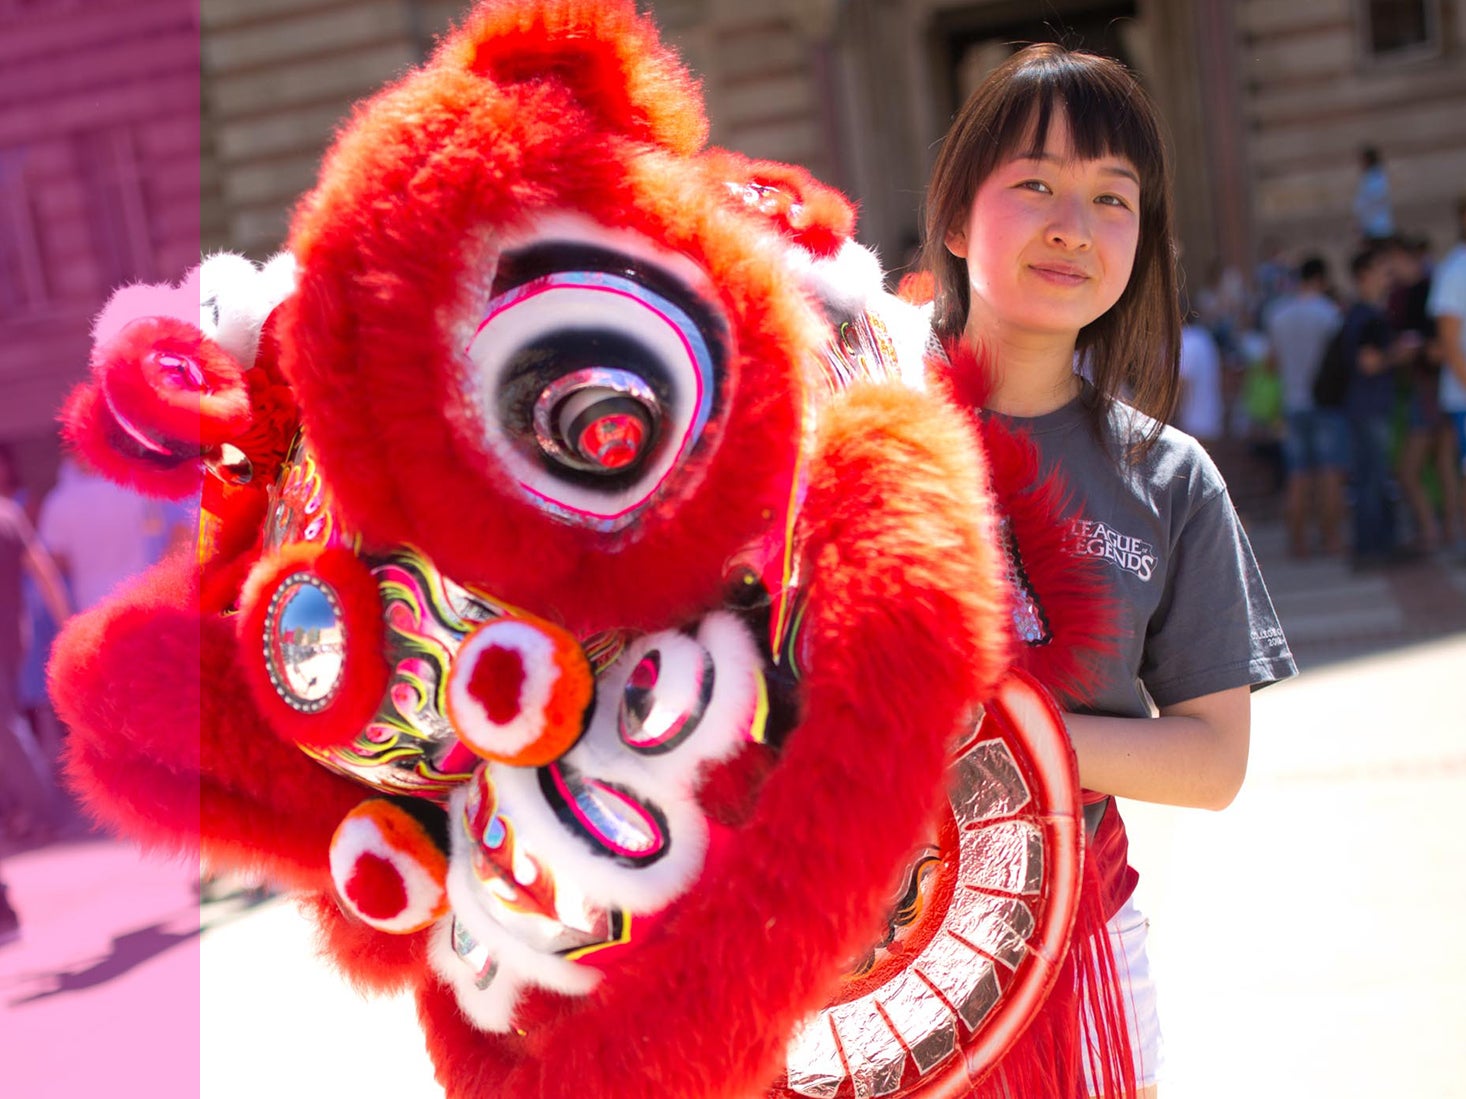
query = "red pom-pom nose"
{"x": 519, "y": 690}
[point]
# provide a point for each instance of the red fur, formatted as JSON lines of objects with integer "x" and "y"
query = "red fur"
{"x": 91, "y": 431}
{"x": 610, "y": 57}
{"x": 921, "y": 630}
{"x": 178, "y": 765}
{"x": 377, "y": 377}
{"x": 379, "y": 963}
{"x": 812, "y": 215}
{"x": 917, "y": 287}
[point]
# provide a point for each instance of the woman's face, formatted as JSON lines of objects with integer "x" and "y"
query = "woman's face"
{"x": 1049, "y": 240}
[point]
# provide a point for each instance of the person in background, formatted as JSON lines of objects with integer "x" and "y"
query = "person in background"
{"x": 39, "y": 625}
{"x": 1315, "y": 440}
{"x": 20, "y": 554}
{"x": 1273, "y": 279}
{"x": 1447, "y": 305}
{"x": 99, "y": 533}
{"x": 1372, "y": 349}
{"x": 1426, "y": 428}
{"x": 1199, "y": 410}
{"x": 1374, "y": 212}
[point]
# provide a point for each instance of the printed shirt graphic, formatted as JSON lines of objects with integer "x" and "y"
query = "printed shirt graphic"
{"x": 1126, "y": 551}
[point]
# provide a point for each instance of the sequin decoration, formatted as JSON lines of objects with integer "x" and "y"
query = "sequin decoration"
{"x": 861, "y": 348}
{"x": 1029, "y": 619}
{"x": 299, "y": 508}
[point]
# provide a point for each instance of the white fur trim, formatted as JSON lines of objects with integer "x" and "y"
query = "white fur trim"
{"x": 236, "y": 297}
{"x": 846, "y": 282}
{"x": 669, "y": 781}
{"x": 518, "y": 965}
{"x": 910, "y": 330}
{"x": 137, "y": 300}
{"x": 227, "y": 297}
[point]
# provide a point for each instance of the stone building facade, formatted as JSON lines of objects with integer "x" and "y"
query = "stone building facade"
{"x": 99, "y": 184}
{"x": 134, "y": 131}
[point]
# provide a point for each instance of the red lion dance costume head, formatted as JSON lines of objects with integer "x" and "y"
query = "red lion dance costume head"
{"x": 589, "y": 619}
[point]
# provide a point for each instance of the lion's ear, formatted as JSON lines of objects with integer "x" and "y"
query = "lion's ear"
{"x": 608, "y": 57}
{"x": 817, "y": 218}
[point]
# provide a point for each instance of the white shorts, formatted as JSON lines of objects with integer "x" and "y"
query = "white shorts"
{"x": 1129, "y": 931}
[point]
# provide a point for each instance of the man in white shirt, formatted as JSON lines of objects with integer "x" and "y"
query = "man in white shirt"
{"x": 1316, "y": 441}
{"x": 1199, "y": 412}
{"x": 1447, "y": 304}
{"x": 99, "y": 533}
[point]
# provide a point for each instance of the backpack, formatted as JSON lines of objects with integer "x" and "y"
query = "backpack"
{"x": 1331, "y": 383}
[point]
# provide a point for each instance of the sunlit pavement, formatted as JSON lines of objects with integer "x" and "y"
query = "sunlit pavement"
{"x": 99, "y": 996}
{"x": 1306, "y": 941}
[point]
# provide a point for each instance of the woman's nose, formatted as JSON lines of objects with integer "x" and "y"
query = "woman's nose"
{"x": 1069, "y": 227}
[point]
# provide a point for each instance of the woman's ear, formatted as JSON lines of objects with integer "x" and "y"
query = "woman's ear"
{"x": 957, "y": 242}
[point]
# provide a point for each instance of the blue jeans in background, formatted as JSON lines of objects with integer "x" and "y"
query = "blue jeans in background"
{"x": 1374, "y": 518}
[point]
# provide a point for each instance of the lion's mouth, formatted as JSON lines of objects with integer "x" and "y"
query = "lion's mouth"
{"x": 520, "y": 892}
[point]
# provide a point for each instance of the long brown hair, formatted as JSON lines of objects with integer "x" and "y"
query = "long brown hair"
{"x": 1134, "y": 348}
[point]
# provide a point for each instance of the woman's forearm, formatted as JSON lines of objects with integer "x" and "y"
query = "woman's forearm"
{"x": 1194, "y": 754}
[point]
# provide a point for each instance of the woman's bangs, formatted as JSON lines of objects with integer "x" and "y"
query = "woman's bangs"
{"x": 1104, "y": 120}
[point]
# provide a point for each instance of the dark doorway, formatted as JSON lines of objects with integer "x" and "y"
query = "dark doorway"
{"x": 967, "y": 42}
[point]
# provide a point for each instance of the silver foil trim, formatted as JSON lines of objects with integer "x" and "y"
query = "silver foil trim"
{"x": 868, "y": 1039}
{"x": 1006, "y": 857}
{"x": 966, "y": 980}
{"x": 998, "y": 927}
{"x": 925, "y": 1025}
{"x": 813, "y": 1062}
{"x": 876, "y": 1057}
{"x": 987, "y": 784}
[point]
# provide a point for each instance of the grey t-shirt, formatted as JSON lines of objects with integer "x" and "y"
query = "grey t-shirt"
{"x": 1196, "y": 615}
{"x": 1300, "y": 329}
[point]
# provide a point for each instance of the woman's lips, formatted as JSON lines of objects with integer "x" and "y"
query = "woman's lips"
{"x": 1059, "y": 274}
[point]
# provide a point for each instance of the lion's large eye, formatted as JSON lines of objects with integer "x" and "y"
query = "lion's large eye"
{"x": 596, "y": 375}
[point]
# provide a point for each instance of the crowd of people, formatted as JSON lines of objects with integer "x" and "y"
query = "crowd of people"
{"x": 58, "y": 555}
{"x": 1351, "y": 386}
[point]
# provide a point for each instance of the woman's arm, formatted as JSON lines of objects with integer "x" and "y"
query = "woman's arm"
{"x": 1194, "y": 754}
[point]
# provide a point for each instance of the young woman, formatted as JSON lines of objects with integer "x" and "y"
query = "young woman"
{"x": 1050, "y": 244}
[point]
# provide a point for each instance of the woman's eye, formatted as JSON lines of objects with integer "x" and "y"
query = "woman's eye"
{"x": 1113, "y": 200}
{"x": 1036, "y": 185}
